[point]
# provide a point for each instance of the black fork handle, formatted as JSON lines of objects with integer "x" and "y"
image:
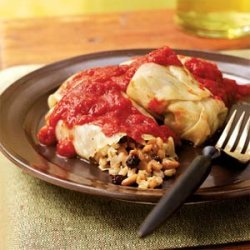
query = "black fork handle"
{"x": 185, "y": 185}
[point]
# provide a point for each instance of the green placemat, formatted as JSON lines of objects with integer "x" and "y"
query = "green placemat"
{"x": 43, "y": 216}
{"x": 38, "y": 215}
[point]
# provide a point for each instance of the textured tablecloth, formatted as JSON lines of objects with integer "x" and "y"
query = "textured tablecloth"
{"x": 38, "y": 215}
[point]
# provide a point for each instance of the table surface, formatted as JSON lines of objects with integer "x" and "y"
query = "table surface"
{"x": 45, "y": 40}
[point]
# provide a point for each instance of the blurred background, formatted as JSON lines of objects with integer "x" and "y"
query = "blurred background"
{"x": 45, "y": 8}
{"x": 206, "y": 18}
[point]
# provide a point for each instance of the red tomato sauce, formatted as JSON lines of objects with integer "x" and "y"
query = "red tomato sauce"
{"x": 66, "y": 148}
{"x": 210, "y": 77}
{"x": 157, "y": 106}
{"x": 122, "y": 74}
{"x": 96, "y": 96}
{"x": 47, "y": 136}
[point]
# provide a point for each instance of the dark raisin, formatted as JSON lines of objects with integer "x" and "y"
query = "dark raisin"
{"x": 133, "y": 161}
{"x": 160, "y": 120}
{"x": 156, "y": 158}
{"x": 189, "y": 143}
{"x": 123, "y": 139}
{"x": 117, "y": 179}
{"x": 128, "y": 149}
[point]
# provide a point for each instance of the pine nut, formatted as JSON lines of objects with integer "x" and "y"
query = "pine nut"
{"x": 130, "y": 180}
{"x": 170, "y": 172}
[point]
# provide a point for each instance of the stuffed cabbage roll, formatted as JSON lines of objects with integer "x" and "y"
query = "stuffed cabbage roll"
{"x": 95, "y": 120}
{"x": 172, "y": 93}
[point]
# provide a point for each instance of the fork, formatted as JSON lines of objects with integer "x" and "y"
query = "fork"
{"x": 234, "y": 141}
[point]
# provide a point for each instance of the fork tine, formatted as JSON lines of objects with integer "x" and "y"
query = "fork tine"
{"x": 225, "y": 131}
{"x": 243, "y": 138}
{"x": 248, "y": 149}
{"x": 235, "y": 133}
{"x": 246, "y": 133}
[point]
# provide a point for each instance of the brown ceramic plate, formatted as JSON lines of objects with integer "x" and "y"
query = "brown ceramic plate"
{"x": 22, "y": 110}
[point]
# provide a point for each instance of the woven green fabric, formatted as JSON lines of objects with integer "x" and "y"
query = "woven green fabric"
{"x": 43, "y": 216}
{"x": 38, "y": 215}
